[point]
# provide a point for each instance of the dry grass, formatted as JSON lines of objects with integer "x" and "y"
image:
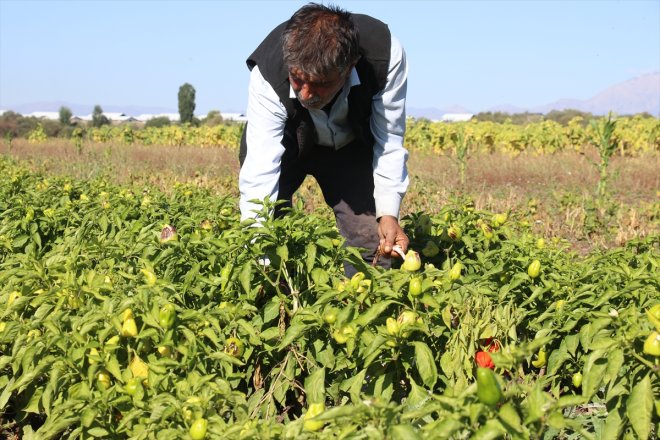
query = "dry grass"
{"x": 555, "y": 193}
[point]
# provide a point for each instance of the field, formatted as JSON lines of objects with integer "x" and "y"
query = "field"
{"x": 134, "y": 303}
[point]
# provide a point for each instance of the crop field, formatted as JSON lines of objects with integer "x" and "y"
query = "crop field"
{"x": 135, "y": 304}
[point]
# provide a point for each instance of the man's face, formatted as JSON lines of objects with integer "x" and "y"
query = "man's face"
{"x": 316, "y": 92}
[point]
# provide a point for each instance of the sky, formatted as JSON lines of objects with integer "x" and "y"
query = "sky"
{"x": 473, "y": 53}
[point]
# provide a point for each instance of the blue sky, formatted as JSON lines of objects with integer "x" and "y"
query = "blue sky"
{"x": 477, "y": 54}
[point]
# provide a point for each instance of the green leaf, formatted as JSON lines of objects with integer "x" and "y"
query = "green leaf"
{"x": 315, "y": 386}
{"x": 426, "y": 366}
{"x": 491, "y": 430}
{"x": 291, "y": 335}
{"x": 87, "y": 416}
{"x": 320, "y": 276}
{"x": 374, "y": 312}
{"x": 246, "y": 276}
{"x": 35, "y": 399}
{"x": 6, "y": 393}
{"x": 98, "y": 432}
{"x": 639, "y": 407}
{"x": 310, "y": 256}
{"x": 615, "y": 361}
{"x": 594, "y": 370}
{"x": 112, "y": 365}
{"x": 403, "y": 432}
{"x": 510, "y": 417}
{"x": 612, "y": 425}
{"x": 283, "y": 252}
{"x": 337, "y": 412}
{"x": 356, "y": 382}
{"x": 272, "y": 310}
{"x": 417, "y": 396}
{"x": 557, "y": 358}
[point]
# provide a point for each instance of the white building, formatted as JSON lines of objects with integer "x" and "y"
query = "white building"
{"x": 238, "y": 117}
{"x": 53, "y": 116}
{"x": 457, "y": 117}
{"x": 147, "y": 117}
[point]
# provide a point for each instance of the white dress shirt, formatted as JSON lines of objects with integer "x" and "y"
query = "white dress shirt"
{"x": 260, "y": 173}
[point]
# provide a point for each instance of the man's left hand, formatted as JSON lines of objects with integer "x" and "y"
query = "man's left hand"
{"x": 391, "y": 235}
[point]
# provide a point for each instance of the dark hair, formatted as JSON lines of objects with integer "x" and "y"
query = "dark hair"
{"x": 320, "y": 40}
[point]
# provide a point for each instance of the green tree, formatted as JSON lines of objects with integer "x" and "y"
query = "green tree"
{"x": 98, "y": 118}
{"x": 565, "y": 116}
{"x": 65, "y": 116}
{"x": 186, "y": 103}
{"x": 213, "y": 118}
{"x": 157, "y": 122}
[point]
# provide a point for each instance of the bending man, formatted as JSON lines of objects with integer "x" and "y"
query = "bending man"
{"x": 327, "y": 98}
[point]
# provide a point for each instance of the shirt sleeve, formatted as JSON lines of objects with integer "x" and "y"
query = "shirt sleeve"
{"x": 388, "y": 125}
{"x": 260, "y": 173}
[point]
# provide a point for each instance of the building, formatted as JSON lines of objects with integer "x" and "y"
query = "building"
{"x": 238, "y": 117}
{"x": 147, "y": 117}
{"x": 457, "y": 117}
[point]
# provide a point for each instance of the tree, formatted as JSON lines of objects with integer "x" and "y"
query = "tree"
{"x": 213, "y": 118}
{"x": 157, "y": 122}
{"x": 186, "y": 103}
{"x": 65, "y": 116}
{"x": 98, "y": 118}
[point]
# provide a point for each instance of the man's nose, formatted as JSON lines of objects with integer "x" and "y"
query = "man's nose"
{"x": 306, "y": 92}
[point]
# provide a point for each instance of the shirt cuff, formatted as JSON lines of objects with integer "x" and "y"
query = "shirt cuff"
{"x": 388, "y": 205}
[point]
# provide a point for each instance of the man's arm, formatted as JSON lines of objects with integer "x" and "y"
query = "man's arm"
{"x": 388, "y": 125}
{"x": 260, "y": 173}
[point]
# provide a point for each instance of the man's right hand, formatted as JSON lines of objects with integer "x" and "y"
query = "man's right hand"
{"x": 391, "y": 234}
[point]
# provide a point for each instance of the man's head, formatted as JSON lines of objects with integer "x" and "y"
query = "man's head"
{"x": 321, "y": 46}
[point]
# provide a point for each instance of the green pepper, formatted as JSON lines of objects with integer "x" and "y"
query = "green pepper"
{"x": 652, "y": 344}
{"x": 225, "y": 274}
{"x": 133, "y": 385}
{"x": 392, "y": 326}
{"x": 129, "y": 328}
{"x": 415, "y": 286}
{"x": 412, "y": 262}
{"x": 167, "y": 316}
{"x": 541, "y": 358}
{"x": 330, "y": 315}
{"x": 198, "y": 429}
{"x": 103, "y": 380}
{"x": 455, "y": 271}
{"x": 314, "y": 410}
{"x": 234, "y": 347}
{"x": 534, "y": 269}
{"x": 654, "y": 316}
{"x": 488, "y": 389}
{"x": 577, "y": 380}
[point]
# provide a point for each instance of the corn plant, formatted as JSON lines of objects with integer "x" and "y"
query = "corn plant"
{"x": 462, "y": 140}
{"x": 603, "y": 138}
{"x": 77, "y": 136}
{"x": 9, "y": 137}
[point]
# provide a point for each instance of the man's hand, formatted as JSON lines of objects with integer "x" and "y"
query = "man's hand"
{"x": 391, "y": 234}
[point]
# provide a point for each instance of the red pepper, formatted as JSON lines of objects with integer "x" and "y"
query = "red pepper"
{"x": 484, "y": 360}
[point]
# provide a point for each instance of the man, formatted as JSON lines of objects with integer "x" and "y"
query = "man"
{"x": 327, "y": 98}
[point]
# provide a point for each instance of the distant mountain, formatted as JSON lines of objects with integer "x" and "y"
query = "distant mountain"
{"x": 637, "y": 95}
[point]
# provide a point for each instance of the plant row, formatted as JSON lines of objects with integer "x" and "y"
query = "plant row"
{"x": 130, "y": 313}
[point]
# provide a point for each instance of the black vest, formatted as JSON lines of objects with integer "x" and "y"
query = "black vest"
{"x": 299, "y": 132}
